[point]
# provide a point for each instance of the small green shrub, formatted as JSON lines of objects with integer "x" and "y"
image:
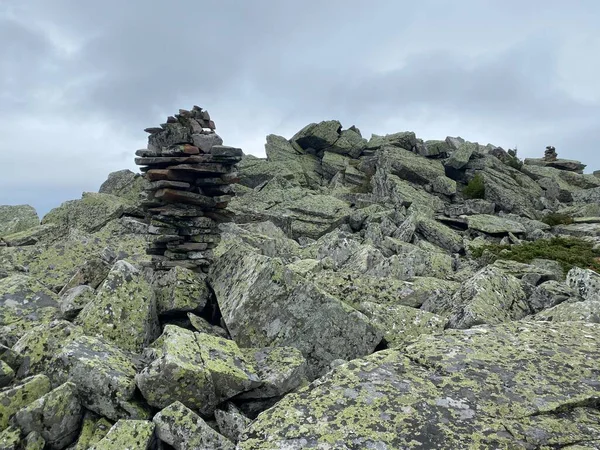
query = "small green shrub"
{"x": 475, "y": 188}
{"x": 569, "y": 252}
{"x": 554, "y": 219}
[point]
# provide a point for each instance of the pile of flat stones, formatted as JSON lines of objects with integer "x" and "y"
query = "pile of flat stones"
{"x": 189, "y": 173}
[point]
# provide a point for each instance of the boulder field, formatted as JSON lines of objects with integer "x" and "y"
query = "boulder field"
{"x": 390, "y": 293}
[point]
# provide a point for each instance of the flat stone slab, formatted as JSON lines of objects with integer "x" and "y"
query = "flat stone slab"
{"x": 561, "y": 164}
{"x": 493, "y": 224}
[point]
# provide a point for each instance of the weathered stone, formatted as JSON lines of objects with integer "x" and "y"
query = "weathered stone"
{"x": 15, "y": 219}
{"x": 444, "y": 185}
{"x": 439, "y": 234}
{"x": 104, "y": 376}
{"x": 463, "y": 389}
{"x": 548, "y": 295}
{"x": 38, "y": 346}
{"x": 493, "y": 224}
{"x": 264, "y": 304}
{"x": 205, "y": 142}
{"x": 124, "y": 310}
{"x": 74, "y": 300}
{"x": 572, "y": 311}
{"x": 24, "y": 304}
{"x": 34, "y": 441}
{"x": 56, "y": 416}
{"x": 14, "y": 398}
{"x": 90, "y": 213}
{"x": 585, "y": 282}
{"x": 280, "y": 369}
{"x": 128, "y": 435}
{"x": 93, "y": 429}
{"x": 460, "y": 157}
{"x": 183, "y": 429}
{"x": 196, "y": 369}
{"x": 561, "y": 164}
{"x": 203, "y": 326}
{"x": 180, "y": 290}
{"x": 318, "y": 136}
{"x": 10, "y": 439}
{"x": 408, "y": 166}
{"x": 231, "y": 422}
{"x": 490, "y": 297}
{"x": 124, "y": 184}
{"x": 7, "y": 374}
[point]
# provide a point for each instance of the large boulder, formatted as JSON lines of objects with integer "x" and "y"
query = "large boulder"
{"x": 515, "y": 385}
{"x": 17, "y": 397}
{"x": 409, "y": 166}
{"x": 196, "y": 369}
{"x": 491, "y": 296}
{"x": 264, "y": 304}
{"x": 124, "y": 310}
{"x": 56, "y": 416}
{"x": 586, "y": 282}
{"x": 493, "y": 224}
{"x": 90, "y": 213}
{"x": 104, "y": 376}
{"x": 124, "y": 184}
{"x": 318, "y": 136}
{"x": 15, "y": 219}
{"x": 560, "y": 164}
{"x": 460, "y": 157}
{"x": 180, "y": 290}
{"x": 24, "y": 304}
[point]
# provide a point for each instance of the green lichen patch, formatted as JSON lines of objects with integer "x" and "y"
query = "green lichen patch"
{"x": 508, "y": 386}
{"x": 93, "y": 429}
{"x": 6, "y": 374}
{"x": 104, "y": 376}
{"x": 127, "y": 435}
{"x": 10, "y": 438}
{"x": 124, "y": 310}
{"x": 24, "y": 303}
{"x": 14, "y": 398}
{"x": 180, "y": 427}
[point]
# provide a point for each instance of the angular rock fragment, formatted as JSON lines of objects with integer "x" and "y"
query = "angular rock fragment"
{"x": 14, "y": 398}
{"x": 183, "y": 429}
{"x": 280, "y": 369}
{"x": 231, "y": 422}
{"x": 180, "y": 290}
{"x": 75, "y": 299}
{"x": 55, "y": 416}
{"x": 93, "y": 429}
{"x": 196, "y": 369}
{"x": 128, "y": 434}
{"x": 111, "y": 390}
{"x": 124, "y": 310}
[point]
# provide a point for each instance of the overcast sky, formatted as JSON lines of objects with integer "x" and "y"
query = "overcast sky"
{"x": 80, "y": 80}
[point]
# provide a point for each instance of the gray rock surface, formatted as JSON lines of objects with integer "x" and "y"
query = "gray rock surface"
{"x": 17, "y": 218}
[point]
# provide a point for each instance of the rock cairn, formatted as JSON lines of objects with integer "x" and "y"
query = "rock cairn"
{"x": 550, "y": 154}
{"x": 189, "y": 173}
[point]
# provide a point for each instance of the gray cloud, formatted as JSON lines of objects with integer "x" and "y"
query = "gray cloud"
{"x": 79, "y": 81}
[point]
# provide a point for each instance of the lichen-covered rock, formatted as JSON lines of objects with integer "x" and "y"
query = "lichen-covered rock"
{"x": 10, "y": 357}
{"x": 586, "y": 282}
{"x": 180, "y": 290}
{"x": 183, "y": 429}
{"x": 439, "y": 234}
{"x": 38, "y": 347}
{"x": 124, "y": 310}
{"x": 56, "y": 416}
{"x": 444, "y": 185}
{"x": 34, "y": 441}
{"x": 128, "y": 435}
{"x": 264, "y": 304}
{"x": 318, "y": 136}
{"x": 104, "y": 376}
{"x": 460, "y": 157}
{"x": 75, "y": 299}
{"x": 124, "y": 184}
{"x": 280, "y": 369}
{"x": 493, "y": 224}
{"x": 463, "y": 389}
{"x": 10, "y": 439}
{"x": 15, "y": 219}
{"x": 90, "y": 213}
{"x": 203, "y": 326}
{"x": 6, "y": 374}
{"x": 575, "y": 311}
{"x": 548, "y": 295}
{"x": 196, "y": 369}
{"x": 490, "y": 297}
{"x": 14, "y": 398}
{"x": 231, "y": 422}
{"x": 93, "y": 429}
{"x": 24, "y": 304}
{"x": 409, "y": 166}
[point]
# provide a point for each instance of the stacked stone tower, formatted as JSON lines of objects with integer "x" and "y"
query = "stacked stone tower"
{"x": 189, "y": 173}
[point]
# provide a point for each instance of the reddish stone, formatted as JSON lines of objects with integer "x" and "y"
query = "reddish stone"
{"x": 157, "y": 174}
